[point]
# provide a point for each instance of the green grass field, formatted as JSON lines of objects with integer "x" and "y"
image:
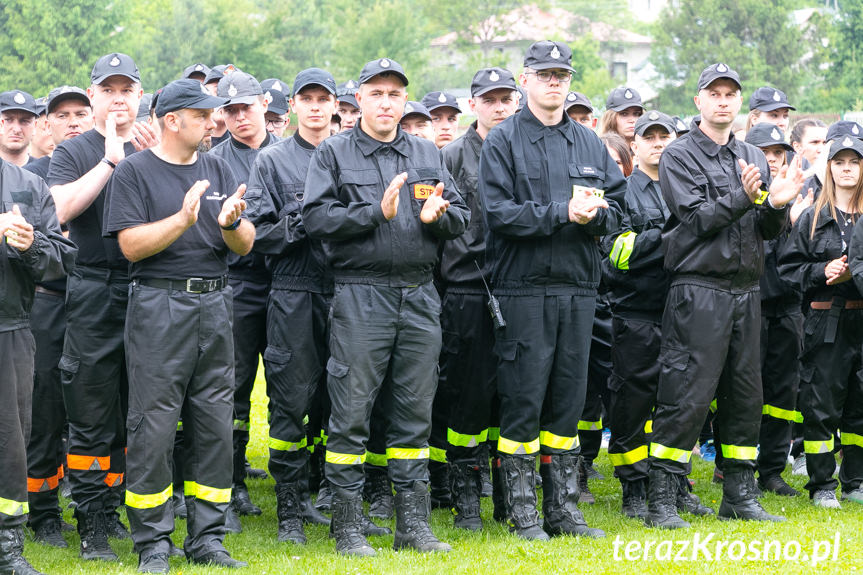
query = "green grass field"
{"x": 494, "y": 550}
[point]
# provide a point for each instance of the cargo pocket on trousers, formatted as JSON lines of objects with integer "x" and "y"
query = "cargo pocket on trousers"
{"x": 68, "y": 365}
{"x": 506, "y": 349}
{"x": 277, "y": 357}
{"x": 133, "y": 421}
{"x": 672, "y": 376}
{"x": 339, "y": 389}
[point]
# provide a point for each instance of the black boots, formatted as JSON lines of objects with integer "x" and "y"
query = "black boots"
{"x": 561, "y": 478}
{"x": 687, "y": 501}
{"x": 439, "y": 481}
{"x": 378, "y": 492}
{"x": 662, "y": 501}
{"x": 242, "y": 502}
{"x": 497, "y": 499}
{"x": 412, "y": 521}
{"x": 347, "y": 524}
{"x": 12, "y": 560}
{"x": 93, "y": 529}
{"x": 289, "y": 514}
{"x": 740, "y": 498}
{"x": 466, "y": 489}
{"x": 634, "y": 498}
{"x": 519, "y": 492}
{"x": 585, "y": 496}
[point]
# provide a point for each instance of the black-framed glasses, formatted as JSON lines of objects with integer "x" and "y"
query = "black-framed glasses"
{"x": 276, "y": 123}
{"x": 545, "y": 76}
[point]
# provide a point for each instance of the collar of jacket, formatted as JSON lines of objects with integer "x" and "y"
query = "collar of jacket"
{"x": 708, "y": 146}
{"x": 536, "y": 129}
{"x": 369, "y": 145}
{"x": 238, "y": 144}
{"x": 640, "y": 178}
{"x": 472, "y": 138}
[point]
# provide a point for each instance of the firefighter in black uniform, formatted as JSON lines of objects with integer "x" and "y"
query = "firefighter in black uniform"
{"x": 297, "y": 347}
{"x": 540, "y": 178}
{"x": 817, "y": 258}
{"x": 467, "y": 367}
{"x": 33, "y": 249}
{"x": 178, "y": 325}
{"x": 244, "y": 115}
{"x": 716, "y": 191}
{"x": 380, "y": 200}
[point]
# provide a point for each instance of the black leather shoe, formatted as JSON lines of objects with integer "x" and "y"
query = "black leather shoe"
{"x": 242, "y": 502}
{"x": 219, "y": 559}
{"x": 154, "y": 563}
{"x": 777, "y": 485}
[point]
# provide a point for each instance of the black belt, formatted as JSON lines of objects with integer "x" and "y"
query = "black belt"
{"x": 191, "y": 285}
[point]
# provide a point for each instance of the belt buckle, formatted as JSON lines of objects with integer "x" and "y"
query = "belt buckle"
{"x": 194, "y": 281}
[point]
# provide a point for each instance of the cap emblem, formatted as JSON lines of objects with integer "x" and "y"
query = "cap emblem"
{"x": 681, "y": 125}
{"x": 277, "y": 86}
{"x": 855, "y": 130}
{"x": 115, "y": 61}
{"x": 19, "y": 98}
{"x": 493, "y": 76}
{"x": 776, "y": 96}
{"x": 408, "y": 109}
{"x": 198, "y": 68}
{"x": 628, "y": 94}
{"x": 232, "y": 91}
{"x": 268, "y": 98}
{"x": 775, "y": 134}
{"x": 571, "y": 97}
{"x": 441, "y": 98}
{"x": 847, "y": 143}
{"x": 350, "y": 84}
{"x": 229, "y": 69}
{"x": 653, "y": 116}
{"x": 555, "y": 53}
{"x": 721, "y": 68}
{"x": 384, "y": 63}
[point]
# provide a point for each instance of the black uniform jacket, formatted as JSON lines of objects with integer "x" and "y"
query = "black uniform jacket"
{"x": 715, "y": 234}
{"x": 51, "y": 255}
{"x": 274, "y": 198}
{"x": 342, "y": 207}
{"x": 526, "y": 176}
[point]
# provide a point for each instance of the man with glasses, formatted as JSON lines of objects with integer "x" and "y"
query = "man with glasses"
{"x": 542, "y": 178}
{"x": 276, "y": 92}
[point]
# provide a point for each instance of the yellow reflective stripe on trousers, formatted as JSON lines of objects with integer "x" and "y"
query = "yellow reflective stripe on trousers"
{"x": 848, "y": 438}
{"x": 672, "y": 453}
{"x": 437, "y": 454}
{"x": 622, "y": 250}
{"x": 590, "y": 425}
{"x": 345, "y": 458}
{"x": 149, "y": 500}
{"x": 739, "y": 452}
{"x": 14, "y": 508}
{"x": 784, "y": 414}
{"x": 493, "y": 433}
{"x": 630, "y": 457}
{"x": 280, "y": 445}
{"x": 465, "y": 439}
{"x": 207, "y": 493}
{"x": 648, "y": 426}
{"x": 377, "y": 459}
{"x": 816, "y": 447}
{"x": 511, "y": 447}
{"x": 549, "y": 439}
{"x": 408, "y": 452}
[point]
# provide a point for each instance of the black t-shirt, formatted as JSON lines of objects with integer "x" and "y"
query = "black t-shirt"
{"x": 147, "y": 189}
{"x": 71, "y": 160}
{"x": 39, "y": 166}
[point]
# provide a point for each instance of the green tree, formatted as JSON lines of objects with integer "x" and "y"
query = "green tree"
{"x": 46, "y": 43}
{"x": 758, "y": 39}
{"x": 842, "y": 88}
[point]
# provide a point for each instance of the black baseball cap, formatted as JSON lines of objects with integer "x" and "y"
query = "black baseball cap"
{"x": 679, "y": 125}
{"x": 416, "y": 109}
{"x": 276, "y": 92}
{"x": 198, "y": 68}
{"x": 349, "y": 87}
{"x": 217, "y": 72}
{"x": 764, "y": 135}
{"x": 239, "y": 88}
{"x": 768, "y": 99}
{"x": 846, "y": 143}
{"x": 844, "y": 128}
{"x": 623, "y": 98}
{"x": 577, "y": 99}
{"x": 18, "y": 100}
{"x": 42, "y": 104}
{"x": 62, "y": 93}
{"x": 349, "y": 99}
{"x": 715, "y": 72}
{"x": 185, "y": 94}
{"x": 545, "y": 55}
{"x": 434, "y": 100}
{"x": 654, "y": 118}
{"x": 114, "y": 64}
{"x": 489, "y": 79}
{"x": 314, "y": 76}
{"x": 144, "y": 107}
{"x": 382, "y": 66}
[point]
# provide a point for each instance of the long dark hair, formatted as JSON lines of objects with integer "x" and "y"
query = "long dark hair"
{"x": 617, "y": 143}
{"x": 827, "y": 197}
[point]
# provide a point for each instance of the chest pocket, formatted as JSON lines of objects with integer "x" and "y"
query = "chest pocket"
{"x": 27, "y": 202}
{"x": 360, "y": 186}
{"x": 420, "y": 185}
{"x": 719, "y": 184}
{"x": 587, "y": 176}
{"x": 646, "y": 219}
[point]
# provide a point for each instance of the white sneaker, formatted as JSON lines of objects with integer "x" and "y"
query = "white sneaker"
{"x": 826, "y": 498}
{"x": 799, "y": 466}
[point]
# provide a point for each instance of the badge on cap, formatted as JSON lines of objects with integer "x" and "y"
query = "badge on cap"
{"x": 232, "y": 91}
{"x": 268, "y": 98}
{"x": 653, "y": 116}
{"x": 350, "y": 85}
{"x": 570, "y": 96}
{"x": 277, "y": 86}
{"x": 775, "y": 134}
{"x": 384, "y": 63}
{"x": 628, "y": 94}
{"x": 493, "y": 76}
{"x": 847, "y": 143}
{"x": 408, "y": 109}
{"x": 115, "y": 61}
{"x": 441, "y": 98}
{"x": 776, "y": 96}
{"x": 19, "y": 98}
{"x": 555, "y": 53}
{"x": 721, "y": 68}
{"x": 229, "y": 69}
{"x": 680, "y": 125}
{"x": 198, "y": 68}
{"x": 855, "y": 130}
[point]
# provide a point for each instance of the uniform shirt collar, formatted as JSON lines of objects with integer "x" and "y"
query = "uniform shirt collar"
{"x": 640, "y": 178}
{"x": 369, "y": 145}
{"x": 472, "y": 138}
{"x": 238, "y": 144}
{"x": 708, "y": 146}
{"x": 537, "y": 130}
